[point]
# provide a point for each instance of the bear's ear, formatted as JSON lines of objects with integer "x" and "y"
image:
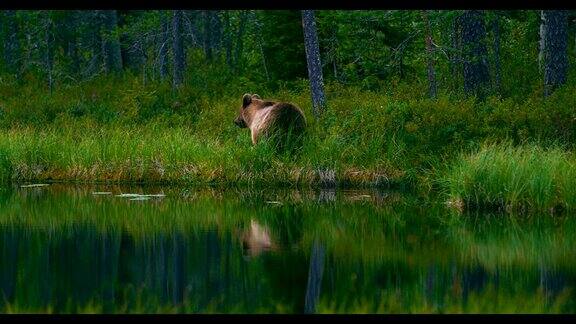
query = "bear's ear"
{"x": 246, "y": 100}
{"x": 256, "y": 96}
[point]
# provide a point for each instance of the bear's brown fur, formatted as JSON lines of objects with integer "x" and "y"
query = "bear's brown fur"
{"x": 269, "y": 118}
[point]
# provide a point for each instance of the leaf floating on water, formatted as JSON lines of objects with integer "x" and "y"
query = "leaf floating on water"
{"x": 141, "y": 198}
{"x": 133, "y": 195}
{"x": 102, "y": 193}
{"x": 129, "y": 195}
{"x": 34, "y": 185}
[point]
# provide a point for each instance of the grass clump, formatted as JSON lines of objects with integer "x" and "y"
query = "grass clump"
{"x": 514, "y": 178}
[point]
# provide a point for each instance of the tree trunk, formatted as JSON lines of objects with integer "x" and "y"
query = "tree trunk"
{"x": 70, "y": 36}
{"x": 475, "y": 54}
{"x": 314, "y": 64}
{"x": 206, "y": 16}
{"x": 142, "y": 57}
{"x": 541, "y": 43}
{"x": 496, "y": 31}
{"x": 163, "y": 53}
{"x": 556, "y": 49}
{"x": 48, "y": 53}
{"x": 95, "y": 41}
{"x": 314, "y": 278}
{"x": 178, "y": 49}
{"x": 112, "y": 52}
{"x": 73, "y": 54}
{"x": 228, "y": 38}
{"x": 456, "y": 57}
{"x": 258, "y": 25}
{"x": 12, "y": 43}
{"x": 216, "y": 33}
{"x": 240, "y": 40}
{"x": 432, "y": 87}
{"x": 194, "y": 23}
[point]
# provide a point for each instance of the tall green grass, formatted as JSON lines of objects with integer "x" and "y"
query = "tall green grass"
{"x": 514, "y": 177}
{"x": 158, "y": 153}
{"x": 123, "y": 130}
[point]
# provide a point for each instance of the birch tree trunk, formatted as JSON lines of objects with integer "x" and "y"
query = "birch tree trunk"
{"x": 555, "y": 50}
{"x": 541, "y": 43}
{"x": 432, "y": 87}
{"x": 313, "y": 60}
{"x": 178, "y": 49}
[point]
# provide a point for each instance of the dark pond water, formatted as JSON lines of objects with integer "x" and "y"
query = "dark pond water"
{"x": 68, "y": 249}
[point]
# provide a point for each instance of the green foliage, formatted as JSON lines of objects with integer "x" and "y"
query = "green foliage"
{"x": 283, "y": 44}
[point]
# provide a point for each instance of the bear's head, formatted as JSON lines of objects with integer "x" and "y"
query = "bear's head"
{"x": 250, "y": 102}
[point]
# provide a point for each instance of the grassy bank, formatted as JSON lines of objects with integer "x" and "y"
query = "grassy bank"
{"x": 158, "y": 153}
{"x": 121, "y": 130}
{"x": 519, "y": 178}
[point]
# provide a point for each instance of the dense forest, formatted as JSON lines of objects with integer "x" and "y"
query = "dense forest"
{"x": 453, "y": 50}
{"x": 391, "y": 96}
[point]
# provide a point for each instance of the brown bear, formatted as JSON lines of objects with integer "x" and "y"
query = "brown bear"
{"x": 279, "y": 120}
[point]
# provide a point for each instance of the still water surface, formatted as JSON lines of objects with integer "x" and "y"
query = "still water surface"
{"x": 77, "y": 249}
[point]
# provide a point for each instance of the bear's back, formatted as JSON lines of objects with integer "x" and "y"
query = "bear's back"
{"x": 287, "y": 116}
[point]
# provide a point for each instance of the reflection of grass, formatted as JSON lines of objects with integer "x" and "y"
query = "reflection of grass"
{"x": 490, "y": 300}
{"x": 390, "y": 228}
{"x": 346, "y": 227}
{"x": 527, "y": 177}
{"x": 507, "y": 240}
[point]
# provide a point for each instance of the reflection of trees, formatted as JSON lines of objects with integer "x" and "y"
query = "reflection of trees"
{"x": 109, "y": 258}
{"x": 314, "y": 277}
{"x": 191, "y": 263}
{"x": 551, "y": 282}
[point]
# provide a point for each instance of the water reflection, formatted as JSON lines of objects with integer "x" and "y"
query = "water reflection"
{"x": 314, "y": 277}
{"x": 63, "y": 249}
{"x": 256, "y": 239}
